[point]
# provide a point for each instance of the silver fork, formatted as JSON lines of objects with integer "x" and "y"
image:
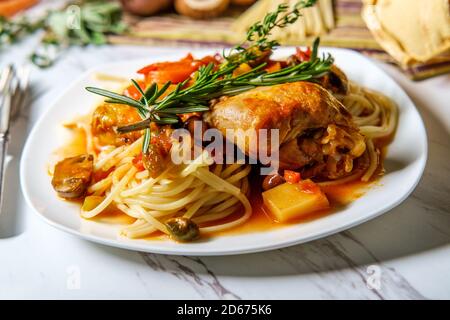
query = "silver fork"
{"x": 13, "y": 91}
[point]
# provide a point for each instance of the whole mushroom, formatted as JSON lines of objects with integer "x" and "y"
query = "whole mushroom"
{"x": 243, "y": 2}
{"x": 201, "y": 9}
{"x": 145, "y": 7}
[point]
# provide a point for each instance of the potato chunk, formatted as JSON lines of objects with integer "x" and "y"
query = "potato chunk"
{"x": 289, "y": 201}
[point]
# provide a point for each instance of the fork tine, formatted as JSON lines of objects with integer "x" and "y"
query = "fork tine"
{"x": 20, "y": 91}
{"x": 6, "y": 78}
{"x": 24, "y": 76}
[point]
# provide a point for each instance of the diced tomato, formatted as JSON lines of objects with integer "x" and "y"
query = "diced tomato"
{"x": 291, "y": 176}
{"x": 308, "y": 186}
{"x": 176, "y": 72}
{"x": 162, "y": 141}
{"x": 100, "y": 175}
{"x": 210, "y": 59}
{"x": 303, "y": 55}
{"x": 138, "y": 163}
{"x": 134, "y": 93}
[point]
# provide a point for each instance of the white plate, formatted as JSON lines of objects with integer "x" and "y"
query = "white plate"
{"x": 405, "y": 162}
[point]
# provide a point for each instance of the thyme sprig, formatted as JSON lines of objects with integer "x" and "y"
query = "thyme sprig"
{"x": 257, "y": 40}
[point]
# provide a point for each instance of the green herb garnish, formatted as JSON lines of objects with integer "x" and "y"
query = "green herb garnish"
{"x": 12, "y": 31}
{"x": 257, "y": 40}
{"x": 81, "y": 23}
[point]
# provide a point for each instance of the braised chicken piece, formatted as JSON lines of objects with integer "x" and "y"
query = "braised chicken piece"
{"x": 107, "y": 118}
{"x": 315, "y": 129}
{"x": 72, "y": 176}
{"x": 336, "y": 81}
{"x": 327, "y": 153}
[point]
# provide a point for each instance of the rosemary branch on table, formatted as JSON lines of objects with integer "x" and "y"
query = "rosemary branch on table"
{"x": 211, "y": 82}
{"x": 12, "y": 31}
{"x": 80, "y": 22}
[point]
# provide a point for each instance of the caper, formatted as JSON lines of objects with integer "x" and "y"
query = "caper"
{"x": 182, "y": 229}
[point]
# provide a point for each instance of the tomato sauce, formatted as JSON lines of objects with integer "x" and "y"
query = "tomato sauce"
{"x": 262, "y": 220}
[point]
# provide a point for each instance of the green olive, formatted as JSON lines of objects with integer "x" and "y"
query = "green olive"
{"x": 182, "y": 229}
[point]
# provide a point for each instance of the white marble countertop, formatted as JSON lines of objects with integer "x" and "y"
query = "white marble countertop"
{"x": 408, "y": 247}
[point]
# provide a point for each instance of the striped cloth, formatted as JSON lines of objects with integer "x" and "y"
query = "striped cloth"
{"x": 350, "y": 32}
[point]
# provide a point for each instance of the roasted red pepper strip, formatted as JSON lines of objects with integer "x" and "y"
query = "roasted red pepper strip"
{"x": 134, "y": 93}
{"x": 175, "y": 72}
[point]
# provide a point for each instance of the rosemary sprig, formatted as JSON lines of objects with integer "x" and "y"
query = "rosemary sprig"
{"x": 207, "y": 87}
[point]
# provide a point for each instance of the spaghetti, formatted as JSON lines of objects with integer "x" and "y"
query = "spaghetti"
{"x": 376, "y": 115}
{"x": 197, "y": 190}
{"x": 207, "y": 192}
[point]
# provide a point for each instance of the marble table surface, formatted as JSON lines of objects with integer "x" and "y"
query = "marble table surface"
{"x": 404, "y": 254}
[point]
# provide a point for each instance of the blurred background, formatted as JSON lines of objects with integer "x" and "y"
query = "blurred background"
{"x": 412, "y": 34}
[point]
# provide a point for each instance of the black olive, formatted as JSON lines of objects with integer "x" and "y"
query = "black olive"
{"x": 182, "y": 229}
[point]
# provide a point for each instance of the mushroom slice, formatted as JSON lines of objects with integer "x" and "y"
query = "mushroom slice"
{"x": 72, "y": 176}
